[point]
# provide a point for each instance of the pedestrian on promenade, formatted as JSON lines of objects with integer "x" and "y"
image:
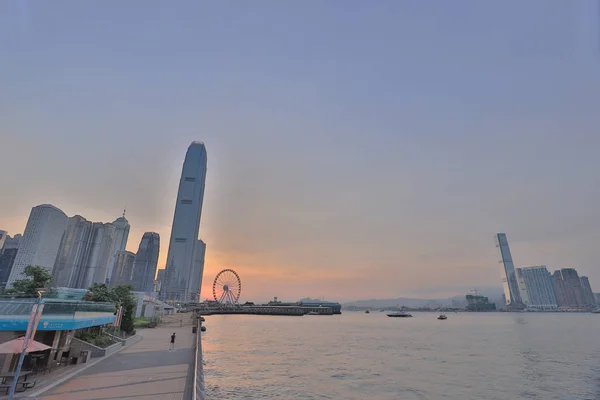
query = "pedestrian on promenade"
{"x": 172, "y": 344}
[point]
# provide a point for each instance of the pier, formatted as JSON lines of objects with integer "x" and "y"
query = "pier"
{"x": 295, "y": 310}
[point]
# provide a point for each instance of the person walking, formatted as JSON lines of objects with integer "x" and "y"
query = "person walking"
{"x": 172, "y": 344}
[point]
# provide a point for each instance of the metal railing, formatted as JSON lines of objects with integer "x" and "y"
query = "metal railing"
{"x": 23, "y": 307}
{"x": 198, "y": 392}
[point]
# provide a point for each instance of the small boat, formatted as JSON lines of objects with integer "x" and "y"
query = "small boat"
{"x": 313, "y": 313}
{"x": 399, "y": 314}
{"x": 442, "y": 317}
{"x": 367, "y": 312}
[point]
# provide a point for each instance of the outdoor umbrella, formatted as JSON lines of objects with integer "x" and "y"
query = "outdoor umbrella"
{"x": 15, "y": 346}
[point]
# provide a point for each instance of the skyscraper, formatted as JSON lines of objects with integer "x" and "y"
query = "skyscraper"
{"x": 181, "y": 273}
{"x": 569, "y": 289}
{"x": 41, "y": 240}
{"x": 12, "y": 242}
{"x": 146, "y": 261}
{"x": 124, "y": 269}
{"x": 588, "y": 294}
{"x": 199, "y": 268}
{"x": 509, "y": 276}
{"x": 120, "y": 243}
{"x": 574, "y": 291}
{"x": 74, "y": 249}
{"x": 84, "y": 253}
{"x": 3, "y": 235}
{"x": 96, "y": 265}
{"x": 7, "y": 259}
{"x": 537, "y": 282}
{"x": 560, "y": 289}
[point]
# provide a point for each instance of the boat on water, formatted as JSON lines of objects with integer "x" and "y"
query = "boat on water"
{"x": 367, "y": 312}
{"x": 313, "y": 313}
{"x": 399, "y": 314}
{"x": 442, "y": 317}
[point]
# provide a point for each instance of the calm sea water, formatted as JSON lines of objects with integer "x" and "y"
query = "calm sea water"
{"x": 370, "y": 356}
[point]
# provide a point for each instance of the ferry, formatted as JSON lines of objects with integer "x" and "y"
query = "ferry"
{"x": 442, "y": 317}
{"x": 399, "y": 314}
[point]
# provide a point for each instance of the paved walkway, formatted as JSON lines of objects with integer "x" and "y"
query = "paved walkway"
{"x": 146, "y": 370}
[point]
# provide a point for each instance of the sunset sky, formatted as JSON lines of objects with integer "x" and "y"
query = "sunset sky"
{"x": 356, "y": 149}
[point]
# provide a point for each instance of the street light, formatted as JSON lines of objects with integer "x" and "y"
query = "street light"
{"x": 34, "y": 319}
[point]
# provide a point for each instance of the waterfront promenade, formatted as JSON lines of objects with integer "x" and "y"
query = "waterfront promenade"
{"x": 145, "y": 370}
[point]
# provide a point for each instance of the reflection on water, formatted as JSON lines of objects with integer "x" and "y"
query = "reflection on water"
{"x": 369, "y": 356}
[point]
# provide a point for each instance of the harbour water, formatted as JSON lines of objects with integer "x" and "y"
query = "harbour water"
{"x": 499, "y": 356}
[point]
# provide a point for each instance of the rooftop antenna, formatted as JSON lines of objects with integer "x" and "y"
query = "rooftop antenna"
{"x": 124, "y": 209}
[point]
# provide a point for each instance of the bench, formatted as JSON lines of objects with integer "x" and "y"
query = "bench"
{"x": 23, "y": 386}
{"x": 5, "y": 386}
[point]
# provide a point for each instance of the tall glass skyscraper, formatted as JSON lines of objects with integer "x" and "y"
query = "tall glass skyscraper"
{"x": 182, "y": 276}
{"x": 146, "y": 260}
{"x": 509, "y": 278}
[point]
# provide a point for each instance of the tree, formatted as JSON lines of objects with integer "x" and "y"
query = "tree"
{"x": 126, "y": 299}
{"x": 100, "y": 292}
{"x": 37, "y": 278}
{"x": 120, "y": 296}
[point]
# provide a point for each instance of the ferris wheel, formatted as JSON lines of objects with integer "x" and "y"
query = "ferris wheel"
{"x": 227, "y": 287}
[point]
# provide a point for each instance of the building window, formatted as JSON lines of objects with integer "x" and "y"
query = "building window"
{"x": 189, "y": 179}
{"x": 185, "y": 201}
{"x": 180, "y": 240}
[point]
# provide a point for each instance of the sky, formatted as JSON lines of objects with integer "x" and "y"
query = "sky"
{"x": 356, "y": 149}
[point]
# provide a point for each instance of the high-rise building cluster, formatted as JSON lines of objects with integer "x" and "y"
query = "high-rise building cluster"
{"x": 77, "y": 252}
{"x": 535, "y": 288}
{"x": 80, "y": 253}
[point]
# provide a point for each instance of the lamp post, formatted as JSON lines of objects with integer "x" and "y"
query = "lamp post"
{"x": 34, "y": 319}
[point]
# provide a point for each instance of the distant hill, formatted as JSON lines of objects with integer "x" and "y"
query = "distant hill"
{"x": 495, "y": 295}
{"x": 403, "y": 301}
{"x": 309, "y": 300}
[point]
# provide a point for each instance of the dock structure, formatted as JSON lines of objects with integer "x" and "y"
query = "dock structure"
{"x": 266, "y": 310}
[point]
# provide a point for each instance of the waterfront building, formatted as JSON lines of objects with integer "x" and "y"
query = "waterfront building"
{"x": 41, "y": 240}
{"x": 124, "y": 269}
{"x": 57, "y": 327}
{"x": 568, "y": 289}
{"x": 597, "y": 297}
{"x": 560, "y": 290}
{"x": 588, "y": 293}
{"x": 574, "y": 290}
{"x": 537, "y": 283}
{"x": 181, "y": 276}
{"x": 120, "y": 243}
{"x": 509, "y": 277}
{"x": 146, "y": 261}
{"x": 479, "y": 303}
{"x": 3, "y": 235}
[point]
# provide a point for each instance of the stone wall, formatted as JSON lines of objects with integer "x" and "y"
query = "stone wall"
{"x": 78, "y": 345}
